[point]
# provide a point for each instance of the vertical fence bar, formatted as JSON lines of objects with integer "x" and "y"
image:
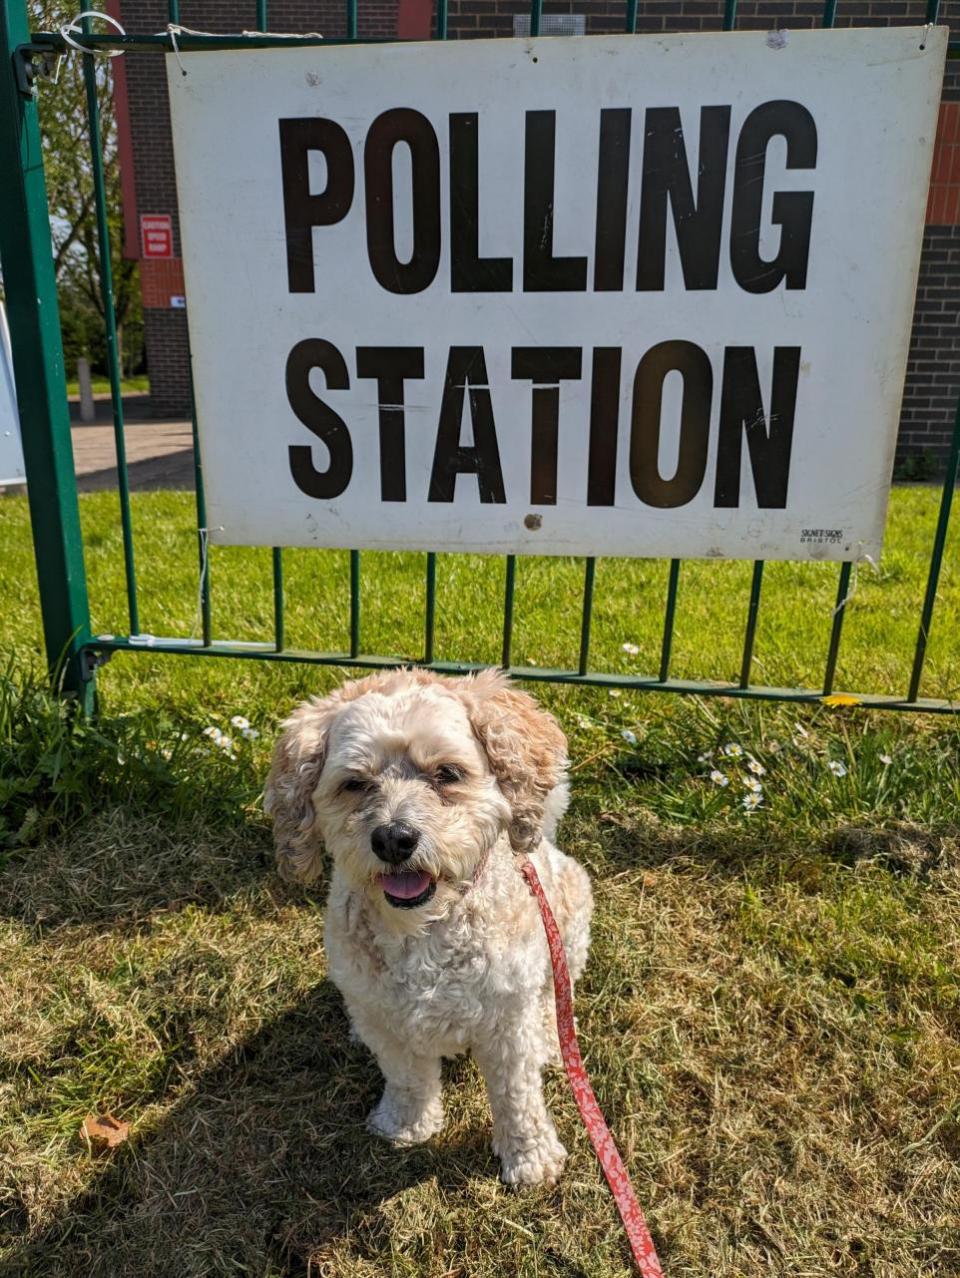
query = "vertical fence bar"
{"x": 751, "y": 630}
{"x": 829, "y": 12}
{"x": 441, "y": 19}
{"x": 110, "y": 320}
{"x": 261, "y": 15}
{"x": 586, "y": 618}
{"x": 431, "y": 610}
{"x": 729, "y": 15}
{"x": 354, "y": 603}
{"x": 278, "y": 635}
{"x": 536, "y": 12}
{"x": 203, "y": 532}
{"x": 351, "y": 19}
{"x": 511, "y": 579}
{"x": 933, "y": 11}
{"x": 672, "y": 585}
{"x": 631, "y": 17}
{"x": 936, "y": 559}
{"x": 31, "y": 296}
{"x": 203, "y": 546}
{"x": 839, "y": 612}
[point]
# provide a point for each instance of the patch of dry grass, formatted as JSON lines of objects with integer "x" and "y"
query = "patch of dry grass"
{"x": 771, "y": 1024}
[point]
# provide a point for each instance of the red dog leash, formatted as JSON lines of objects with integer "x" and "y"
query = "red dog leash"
{"x": 641, "y": 1244}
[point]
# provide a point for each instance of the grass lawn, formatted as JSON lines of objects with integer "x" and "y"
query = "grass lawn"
{"x": 770, "y": 1014}
{"x": 101, "y": 386}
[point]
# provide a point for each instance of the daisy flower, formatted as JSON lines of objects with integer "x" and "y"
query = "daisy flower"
{"x": 757, "y": 768}
{"x": 718, "y": 778}
{"x": 215, "y": 735}
{"x": 752, "y": 801}
{"x": 631, "y": 648}
{"x": 753, "y": 785}
{"x": 732, "y": 750}
{"x": 885, "y": 760}
{"x": 837, "y": 768}
{"x": 250, "y": 734}
{"x": 240, "y": 722}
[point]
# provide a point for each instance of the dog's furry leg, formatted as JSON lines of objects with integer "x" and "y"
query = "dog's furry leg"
{"x": 524, "y": 1136}
{"x": 411, "y": 1109}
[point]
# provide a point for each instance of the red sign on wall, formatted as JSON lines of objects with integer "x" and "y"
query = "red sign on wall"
{"x": 156, "y": 234}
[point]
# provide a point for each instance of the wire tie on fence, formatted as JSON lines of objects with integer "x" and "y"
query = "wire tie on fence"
{"x": 70, "y": 29}
{"x": 172, "y": 31}
{"x": 204, "y": 564}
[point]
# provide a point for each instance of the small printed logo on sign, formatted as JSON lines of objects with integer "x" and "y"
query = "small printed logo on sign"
{"x": 821, "y": 536}
{"x": 156, "y": 235}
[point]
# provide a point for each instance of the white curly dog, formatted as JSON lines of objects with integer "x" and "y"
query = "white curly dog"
{"x": 424, "y": 790}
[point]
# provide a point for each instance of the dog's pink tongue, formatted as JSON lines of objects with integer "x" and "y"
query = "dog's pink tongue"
{"x": 406, "y": 885}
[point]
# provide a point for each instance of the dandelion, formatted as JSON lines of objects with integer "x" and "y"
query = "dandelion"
{"x": 249, "y": 734}
{"x": 631, "y": 649}
{"x": 732, "y": 750}
{"x": 629, "y": 737}
{"x": 886, "y": 760}
{"x": 837, "y": 768}
{"x": 752, "y": 801}
{"x": 718, "y": 778}
{"x": 240, "y": 722}
{"x": 753, "y": 785}
{"x": 757, "y": 768}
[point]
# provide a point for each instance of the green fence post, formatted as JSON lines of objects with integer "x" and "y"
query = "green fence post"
{"x": 26, "y": 252}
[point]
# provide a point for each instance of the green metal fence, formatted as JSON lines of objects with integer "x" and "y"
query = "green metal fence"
{"x": 25, "y": 246}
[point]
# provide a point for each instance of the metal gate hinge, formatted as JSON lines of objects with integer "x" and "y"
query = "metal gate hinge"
{"x": 91, "y": 659}
{"x": 26, "y": 69}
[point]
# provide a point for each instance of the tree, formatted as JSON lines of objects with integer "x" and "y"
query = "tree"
{"x": 70, "y": 189}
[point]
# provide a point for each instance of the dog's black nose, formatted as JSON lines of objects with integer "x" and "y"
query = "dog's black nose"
{"x": 394, "y": 842}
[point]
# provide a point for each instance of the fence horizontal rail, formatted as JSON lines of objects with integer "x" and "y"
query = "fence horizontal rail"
{"x": 535, "y": 674}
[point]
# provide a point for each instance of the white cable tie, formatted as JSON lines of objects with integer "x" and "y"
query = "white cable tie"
{"x": 172, "y": 32}
{"x": 70, "y": 29}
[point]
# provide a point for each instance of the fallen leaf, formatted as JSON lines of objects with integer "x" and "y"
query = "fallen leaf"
{"x": 103, "y": 1131}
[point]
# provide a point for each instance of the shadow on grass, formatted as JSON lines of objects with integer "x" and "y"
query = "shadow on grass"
{"x": 262, "y": 1168}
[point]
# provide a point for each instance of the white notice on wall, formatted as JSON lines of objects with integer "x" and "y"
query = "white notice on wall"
{"x": 610, "y": 296}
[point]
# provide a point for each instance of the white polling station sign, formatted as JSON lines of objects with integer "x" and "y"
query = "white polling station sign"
{"x": 618, "y": 295}
{"x": 12, "y": 470}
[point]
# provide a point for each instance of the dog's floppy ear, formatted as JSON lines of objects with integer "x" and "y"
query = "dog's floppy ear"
{"x": 525, "y": 747}
{"x": 288, "y": 796}
{"x": 298, "y": 759}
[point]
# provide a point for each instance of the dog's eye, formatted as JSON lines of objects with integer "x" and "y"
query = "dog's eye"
{"x": 354, "y": 785}
{"x": 448, "y": 774}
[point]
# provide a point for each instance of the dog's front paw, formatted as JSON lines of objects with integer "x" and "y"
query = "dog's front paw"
{"x": 538, "y": 1163}
{"x": 403, "y": 1123}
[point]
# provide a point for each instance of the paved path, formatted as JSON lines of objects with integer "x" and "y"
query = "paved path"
{"x": 159, "y": 453}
